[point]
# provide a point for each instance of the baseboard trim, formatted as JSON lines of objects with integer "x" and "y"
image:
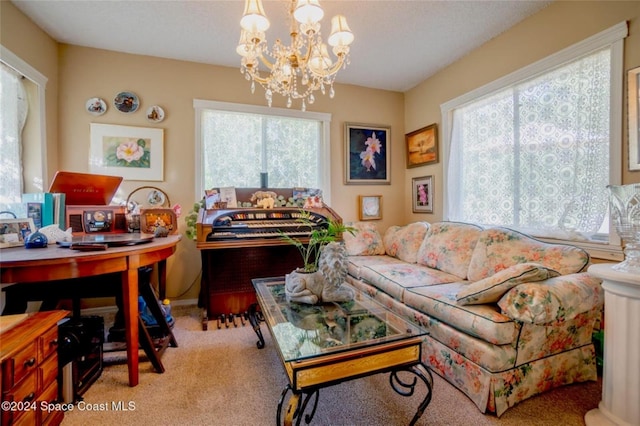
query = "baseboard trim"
{"x": 106, "y": 310}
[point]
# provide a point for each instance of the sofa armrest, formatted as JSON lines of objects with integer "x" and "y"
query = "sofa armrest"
{"x": 555, "y": 299}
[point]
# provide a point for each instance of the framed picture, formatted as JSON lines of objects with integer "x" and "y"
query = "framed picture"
{"x": 370, "y": 207}
{"x": 368, "y": 155}
{"x": 422, "y": 146}
{"x": 150, "y": 219}
{"x": 135, "y": 153}
{"x": 422, "y": 189}
{"x": 633, "y": 82}
{"x": 14, "y": 231}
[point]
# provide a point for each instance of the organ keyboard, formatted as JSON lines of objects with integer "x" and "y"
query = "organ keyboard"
{"x": 258, "y": 227}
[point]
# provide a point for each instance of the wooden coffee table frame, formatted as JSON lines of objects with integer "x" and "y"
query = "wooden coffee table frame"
{"x": 308, "y": 376}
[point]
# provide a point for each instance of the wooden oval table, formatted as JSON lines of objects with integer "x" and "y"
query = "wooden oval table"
{"x": 20, "y": 265}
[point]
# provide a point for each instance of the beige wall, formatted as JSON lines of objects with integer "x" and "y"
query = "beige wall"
{"x": 552, "y": 29}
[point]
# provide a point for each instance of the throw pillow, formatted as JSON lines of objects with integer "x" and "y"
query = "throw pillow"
{"x": 557, "y": 299}
{"x": 491, "y": 289}
{"x": 366, "y": 240}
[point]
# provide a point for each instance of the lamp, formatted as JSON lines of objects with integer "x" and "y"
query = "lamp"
{"x": 298, "y": 70}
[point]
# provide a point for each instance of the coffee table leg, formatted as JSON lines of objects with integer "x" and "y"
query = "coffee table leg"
{"x": 255, "y": 317}
{"x": 296, "y": 407}
{"x": 408, "y": 388}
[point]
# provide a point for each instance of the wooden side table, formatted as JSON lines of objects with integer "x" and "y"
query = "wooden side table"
{"x": 621, "y": 375}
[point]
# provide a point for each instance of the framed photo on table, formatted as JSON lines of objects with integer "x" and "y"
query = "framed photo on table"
{"x": 422, "y": 146}
{"x": 422, "y": 194}
{"x": 633, "y": 82}
{"x": 368, "y": 154}
{"x": 14, "y": 231}
{"x": 370, "y": 207}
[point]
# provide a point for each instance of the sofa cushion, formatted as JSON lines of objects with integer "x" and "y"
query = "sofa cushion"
{"x": 491, "y": 289}
{"x": 483, "y": 321}
{"x": 366, "y": 241}
{"x": 500, "y": 248}
{"x": 556, "y": 299}
{"x": 448, "y": 247}
{"x": 356, "y": 262}
{"x": 393, "y": 279}
{"x": 403, "y": 242}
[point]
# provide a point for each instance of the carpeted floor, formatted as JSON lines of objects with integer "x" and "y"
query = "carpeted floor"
{"x": 219, "y": 377}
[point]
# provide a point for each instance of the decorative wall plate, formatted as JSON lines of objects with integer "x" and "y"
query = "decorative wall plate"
{"x": 96, "y": 106}
{"x": 126, "y": 102}
{"x": 155, "y": 114}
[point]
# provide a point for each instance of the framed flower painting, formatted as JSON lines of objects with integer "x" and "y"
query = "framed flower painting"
{"x": 367, "y": 154}
{"x": 135, "y": 153}
{"x": 422, "y": 189}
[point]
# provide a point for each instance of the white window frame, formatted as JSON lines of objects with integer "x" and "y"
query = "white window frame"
{"x": 325, "y": 149}
{"x": 14, "y": 61}
{"x": 612, "y": 37}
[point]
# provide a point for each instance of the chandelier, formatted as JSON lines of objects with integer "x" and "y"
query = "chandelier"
{"x": 298, "y": 70}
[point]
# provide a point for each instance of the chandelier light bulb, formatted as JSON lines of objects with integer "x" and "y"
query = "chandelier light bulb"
{"x": 308, "y": 12}
{"x": 254, "y": 19}
{"x": 341, "y": 34}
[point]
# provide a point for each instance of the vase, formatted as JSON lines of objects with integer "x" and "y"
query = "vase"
{"x": 625, "y": 213}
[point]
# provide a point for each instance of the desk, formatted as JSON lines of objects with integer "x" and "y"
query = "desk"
{"x": 19, "y": 265}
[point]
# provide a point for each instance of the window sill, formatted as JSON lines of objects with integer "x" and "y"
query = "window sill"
{"x": 601, "y": 251}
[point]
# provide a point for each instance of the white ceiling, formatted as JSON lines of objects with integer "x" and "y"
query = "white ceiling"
{"x": 397, "y": 45}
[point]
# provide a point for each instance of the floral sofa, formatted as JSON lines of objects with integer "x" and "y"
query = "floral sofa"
{"x": 507, "y": 316}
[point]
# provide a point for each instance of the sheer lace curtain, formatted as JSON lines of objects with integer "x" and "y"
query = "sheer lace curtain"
{"x": 535, "y": 155}
{"x": 13, "y": 114}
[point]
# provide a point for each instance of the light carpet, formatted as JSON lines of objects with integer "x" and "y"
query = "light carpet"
{"x": 220, "y": 377}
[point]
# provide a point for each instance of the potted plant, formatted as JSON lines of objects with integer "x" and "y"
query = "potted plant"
{"x": 318, "y": 238}
{"x": 306, "y": 284}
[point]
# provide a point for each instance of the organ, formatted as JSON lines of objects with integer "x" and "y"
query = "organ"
{"x": 238, "y": 244}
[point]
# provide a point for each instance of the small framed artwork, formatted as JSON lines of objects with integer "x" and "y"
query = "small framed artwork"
{"x": 368, "y": 155}
{"x": 633, "y": 82}
{"x": 135, "y": 153}
{"x": 14, "y": 231}
{"x": 150, "y": 219}
{"x": 370, "y": 207}
{"x": 422, "y": 188}
{"x": 422, "y": 146}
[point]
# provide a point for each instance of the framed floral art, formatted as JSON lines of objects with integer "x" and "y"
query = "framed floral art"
{"x": 135, "y": 153}
{"x": 367, "y": 154}
{"x": 422, "y": 190}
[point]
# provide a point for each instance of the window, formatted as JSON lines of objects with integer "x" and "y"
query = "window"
{"x": 24, "y": 159}
{"x": 240, "y": 144}
{"x": 536, "y": 150}
{"x": 13, "y": 114}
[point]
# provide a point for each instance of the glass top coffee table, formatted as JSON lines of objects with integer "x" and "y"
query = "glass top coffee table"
{"x": 325, "y": 344}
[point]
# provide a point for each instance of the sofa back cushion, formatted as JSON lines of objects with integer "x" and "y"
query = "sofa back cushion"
{"x": 500, "y": 248}
{"x": 448, "y": 247}
{"x": 403, "y": 242}
{"x": 366, "y": 240}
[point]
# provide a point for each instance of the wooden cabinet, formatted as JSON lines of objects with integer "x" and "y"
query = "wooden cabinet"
{"x": 29, "y": 368}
